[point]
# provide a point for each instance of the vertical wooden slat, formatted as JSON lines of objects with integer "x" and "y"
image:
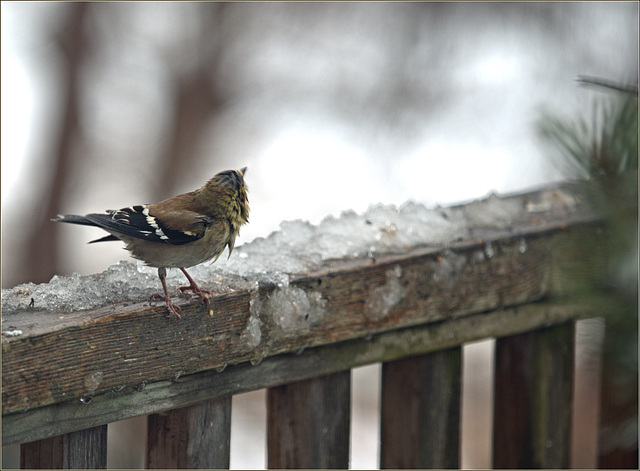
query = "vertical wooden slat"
{"x": 192, "y": 437}
{"x": 533, "y": 391}
{"x": 618, "y": 429}
{"x": 420, "y": 411}
{"x": 42, "y": 454}
{"x": 308, "y": 423}
{"x": 85, "y": 449}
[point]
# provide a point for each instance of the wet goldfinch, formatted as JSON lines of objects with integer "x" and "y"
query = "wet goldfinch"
{"x": 179, "y": 232}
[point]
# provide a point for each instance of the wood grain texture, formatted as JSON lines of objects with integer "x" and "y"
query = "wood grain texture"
{"x": 533, "y": 392}
{"x": 618, "y": 428}
{"x": 159, "y": 396}
{"x": 308, "y": 423}
{"x": 90, "y": 352}
{"x": 42, "y": 454}
{"x": 84, "y": 449}
{"x": 70, "y": 371}
{"x": 420, "y": 413}
{"x": 192, "y": 437}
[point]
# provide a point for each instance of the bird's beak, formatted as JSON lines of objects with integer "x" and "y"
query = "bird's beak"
{"x": 243, "y": 170}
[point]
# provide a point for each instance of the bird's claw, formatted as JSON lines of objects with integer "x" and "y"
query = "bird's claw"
{"x": 174, "y": 310}
{"x": 201, "y": 293}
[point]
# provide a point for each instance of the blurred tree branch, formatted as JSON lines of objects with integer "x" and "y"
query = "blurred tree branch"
{"x": 196, "y": 100}
{"x": 603, "y": 148}
{"x": 72, "y": 41}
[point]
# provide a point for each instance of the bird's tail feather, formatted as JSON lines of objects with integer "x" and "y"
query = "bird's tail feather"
{"x": 73, "y": 219}
{"x": 103, "y": 239}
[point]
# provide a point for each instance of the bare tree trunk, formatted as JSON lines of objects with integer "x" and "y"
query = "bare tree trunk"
{"x": 40, "y": 262}
{"x": 196, "y": 103}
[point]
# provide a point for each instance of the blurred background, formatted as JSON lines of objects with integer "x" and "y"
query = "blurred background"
{"x": 332, "y": 106}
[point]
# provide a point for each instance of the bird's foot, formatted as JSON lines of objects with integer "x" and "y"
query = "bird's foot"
{"x": 174, "y": 310}
{"x": 201, "y": 293}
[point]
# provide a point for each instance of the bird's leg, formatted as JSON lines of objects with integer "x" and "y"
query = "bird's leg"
{"x": 201, "y": 293}
{"x": 173, "y": 309}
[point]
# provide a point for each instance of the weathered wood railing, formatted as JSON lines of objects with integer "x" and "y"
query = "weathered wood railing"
{"x": 66, "y": 376}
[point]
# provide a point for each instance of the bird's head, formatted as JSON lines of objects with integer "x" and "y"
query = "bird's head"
{"x": 228, "y": 192}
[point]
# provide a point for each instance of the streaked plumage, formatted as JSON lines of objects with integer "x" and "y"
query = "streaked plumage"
{"x": 179, "y": 232}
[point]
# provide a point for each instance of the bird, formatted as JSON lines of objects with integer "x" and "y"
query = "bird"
{"x": 178, "y": 232}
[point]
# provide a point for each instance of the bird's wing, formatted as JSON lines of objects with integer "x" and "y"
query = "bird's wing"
{"x": 142, "y": 222}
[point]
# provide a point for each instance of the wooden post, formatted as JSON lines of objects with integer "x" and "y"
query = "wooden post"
{"x": 42, "y": 454}
{"x": 618, "y": 429}
{"x": 308, "y": 423}
{"x": 192, "y": 437}
{"x": 533, "y": 391}
{"x": 420, "y": 411}
{"x": 85, "y": 449}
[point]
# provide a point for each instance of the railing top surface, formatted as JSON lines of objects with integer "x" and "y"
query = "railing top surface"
{"x": 506, "y": 258}
{"x": 300, "y": 248}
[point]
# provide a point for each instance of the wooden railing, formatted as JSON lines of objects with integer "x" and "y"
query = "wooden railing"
{"x": 65, "y": 377}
